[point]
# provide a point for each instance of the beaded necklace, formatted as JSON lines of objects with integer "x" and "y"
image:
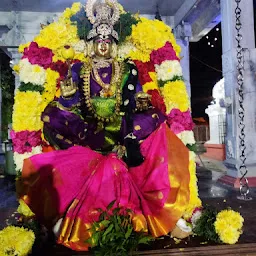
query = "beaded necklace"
{"x": 87, "y": 70}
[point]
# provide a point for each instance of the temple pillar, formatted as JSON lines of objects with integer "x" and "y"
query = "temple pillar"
{"x": 229, "y": 62}
{"x": 15, "y": 58}
{"x": 183, "y": 34}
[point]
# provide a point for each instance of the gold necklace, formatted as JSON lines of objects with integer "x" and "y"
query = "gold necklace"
{"x": 86, "y": 88}
{"x": 107, "y": 89}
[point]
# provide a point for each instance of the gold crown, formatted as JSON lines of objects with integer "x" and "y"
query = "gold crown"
{"x": 103, "y": 16}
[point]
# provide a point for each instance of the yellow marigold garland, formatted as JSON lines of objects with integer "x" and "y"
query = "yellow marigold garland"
{"x": 175, "y": 96}
{"x": 16, "y": 241}
{"x": 50, "y": 87}
{"x": 194, "y": 200}
{"x": 57, "y": 35}
{"x": 27, "y": 111}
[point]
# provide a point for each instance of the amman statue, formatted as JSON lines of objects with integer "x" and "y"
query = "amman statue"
{"x": 110, "y": 143}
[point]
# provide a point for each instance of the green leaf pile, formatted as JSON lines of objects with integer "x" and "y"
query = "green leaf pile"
{"x": 204, "y": 227}
{"x": 113, "y": 234}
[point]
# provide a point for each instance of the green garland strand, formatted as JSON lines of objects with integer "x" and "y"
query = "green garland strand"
{"x": 30, "y": 87}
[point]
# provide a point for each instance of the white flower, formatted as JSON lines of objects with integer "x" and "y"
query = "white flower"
{"x": 168, "y": 69}
{"x": 182, "y": 224}
{"x": 195, "y": 217}
{"x": 124, "y": 50}
{"x": 79, "y": 46}
{"x": 19, "y": 158}
{"x": 187, "y": 137}
{"x": 31, "y": 73}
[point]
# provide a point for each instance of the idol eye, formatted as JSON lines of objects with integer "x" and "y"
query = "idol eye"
{"x": 108, "y": 41}
{"x": 99, "y": 41}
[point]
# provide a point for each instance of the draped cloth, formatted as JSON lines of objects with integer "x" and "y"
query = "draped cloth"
{"x": 72, "y": 184}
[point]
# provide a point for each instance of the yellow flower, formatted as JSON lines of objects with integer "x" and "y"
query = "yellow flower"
{"x": 27, "y": 111}
{"x": 229, "y": 236}
{"x": 139, "y": 55}
{"x": 16, "y": 241}
{"x": 50, "y": 87}
{"x": 56, "y": 35}
{"x": 175, "y": 96}
{"x": 149, "y": 35}
{"x": 151, "y": 85}
{"x": 67, "y": 13}
{"x": 81, "y": 57}
{"x": 24, "y": 210}
{"x": 22, "y": 47}
{"x": 194, "y": 200}
{"x": 76, "y": 7}
{"x": 16, "y": 68}
{"x": 232, "y": 218}
{"x": 228, "y": 226}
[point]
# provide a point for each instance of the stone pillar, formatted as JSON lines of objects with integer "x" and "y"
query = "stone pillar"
{"x": 183, "y": 33}
{"x": 229, "y": 63}
{"x": 15, "y": 56}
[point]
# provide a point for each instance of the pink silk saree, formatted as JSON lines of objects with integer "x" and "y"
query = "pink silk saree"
{"x": 72, "y": 184}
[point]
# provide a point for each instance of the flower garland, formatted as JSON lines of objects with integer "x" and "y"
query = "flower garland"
{"x": 41, "y": 69}
{"x": 16, "y": 241}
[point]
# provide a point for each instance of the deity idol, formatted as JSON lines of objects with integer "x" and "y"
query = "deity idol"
{"x": 113, "y": 146}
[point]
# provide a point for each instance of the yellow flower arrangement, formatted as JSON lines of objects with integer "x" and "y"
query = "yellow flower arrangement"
{"x": 50, "y": 87}
{"x": 194, "y": 200}
{"x": 139, "y": 55}
{"x": 151, "y": 85}
{"x": 228, "y": 226}
{"x": 27, "y": 111}
{"x": 55, "y": 36}
{"x": 24, "y": 210}
{"x": 16, "y": 241}
{"x": 149, "y": 35}
{"x": 175, "y": 96}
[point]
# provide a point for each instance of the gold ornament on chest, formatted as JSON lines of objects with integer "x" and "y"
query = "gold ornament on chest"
{"x": 108, "y": 90}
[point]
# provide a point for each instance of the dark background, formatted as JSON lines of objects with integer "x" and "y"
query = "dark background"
{"x": 205, "y": 70}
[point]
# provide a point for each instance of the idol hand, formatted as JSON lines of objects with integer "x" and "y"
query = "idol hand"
{"x": 68, "y": 87}
{"x": 142, "y": 101}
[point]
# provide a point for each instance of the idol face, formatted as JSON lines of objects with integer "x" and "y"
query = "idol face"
{"x": 102, "y": 47}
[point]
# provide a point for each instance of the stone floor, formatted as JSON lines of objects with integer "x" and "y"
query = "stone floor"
{"x": 211, "y": 192}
